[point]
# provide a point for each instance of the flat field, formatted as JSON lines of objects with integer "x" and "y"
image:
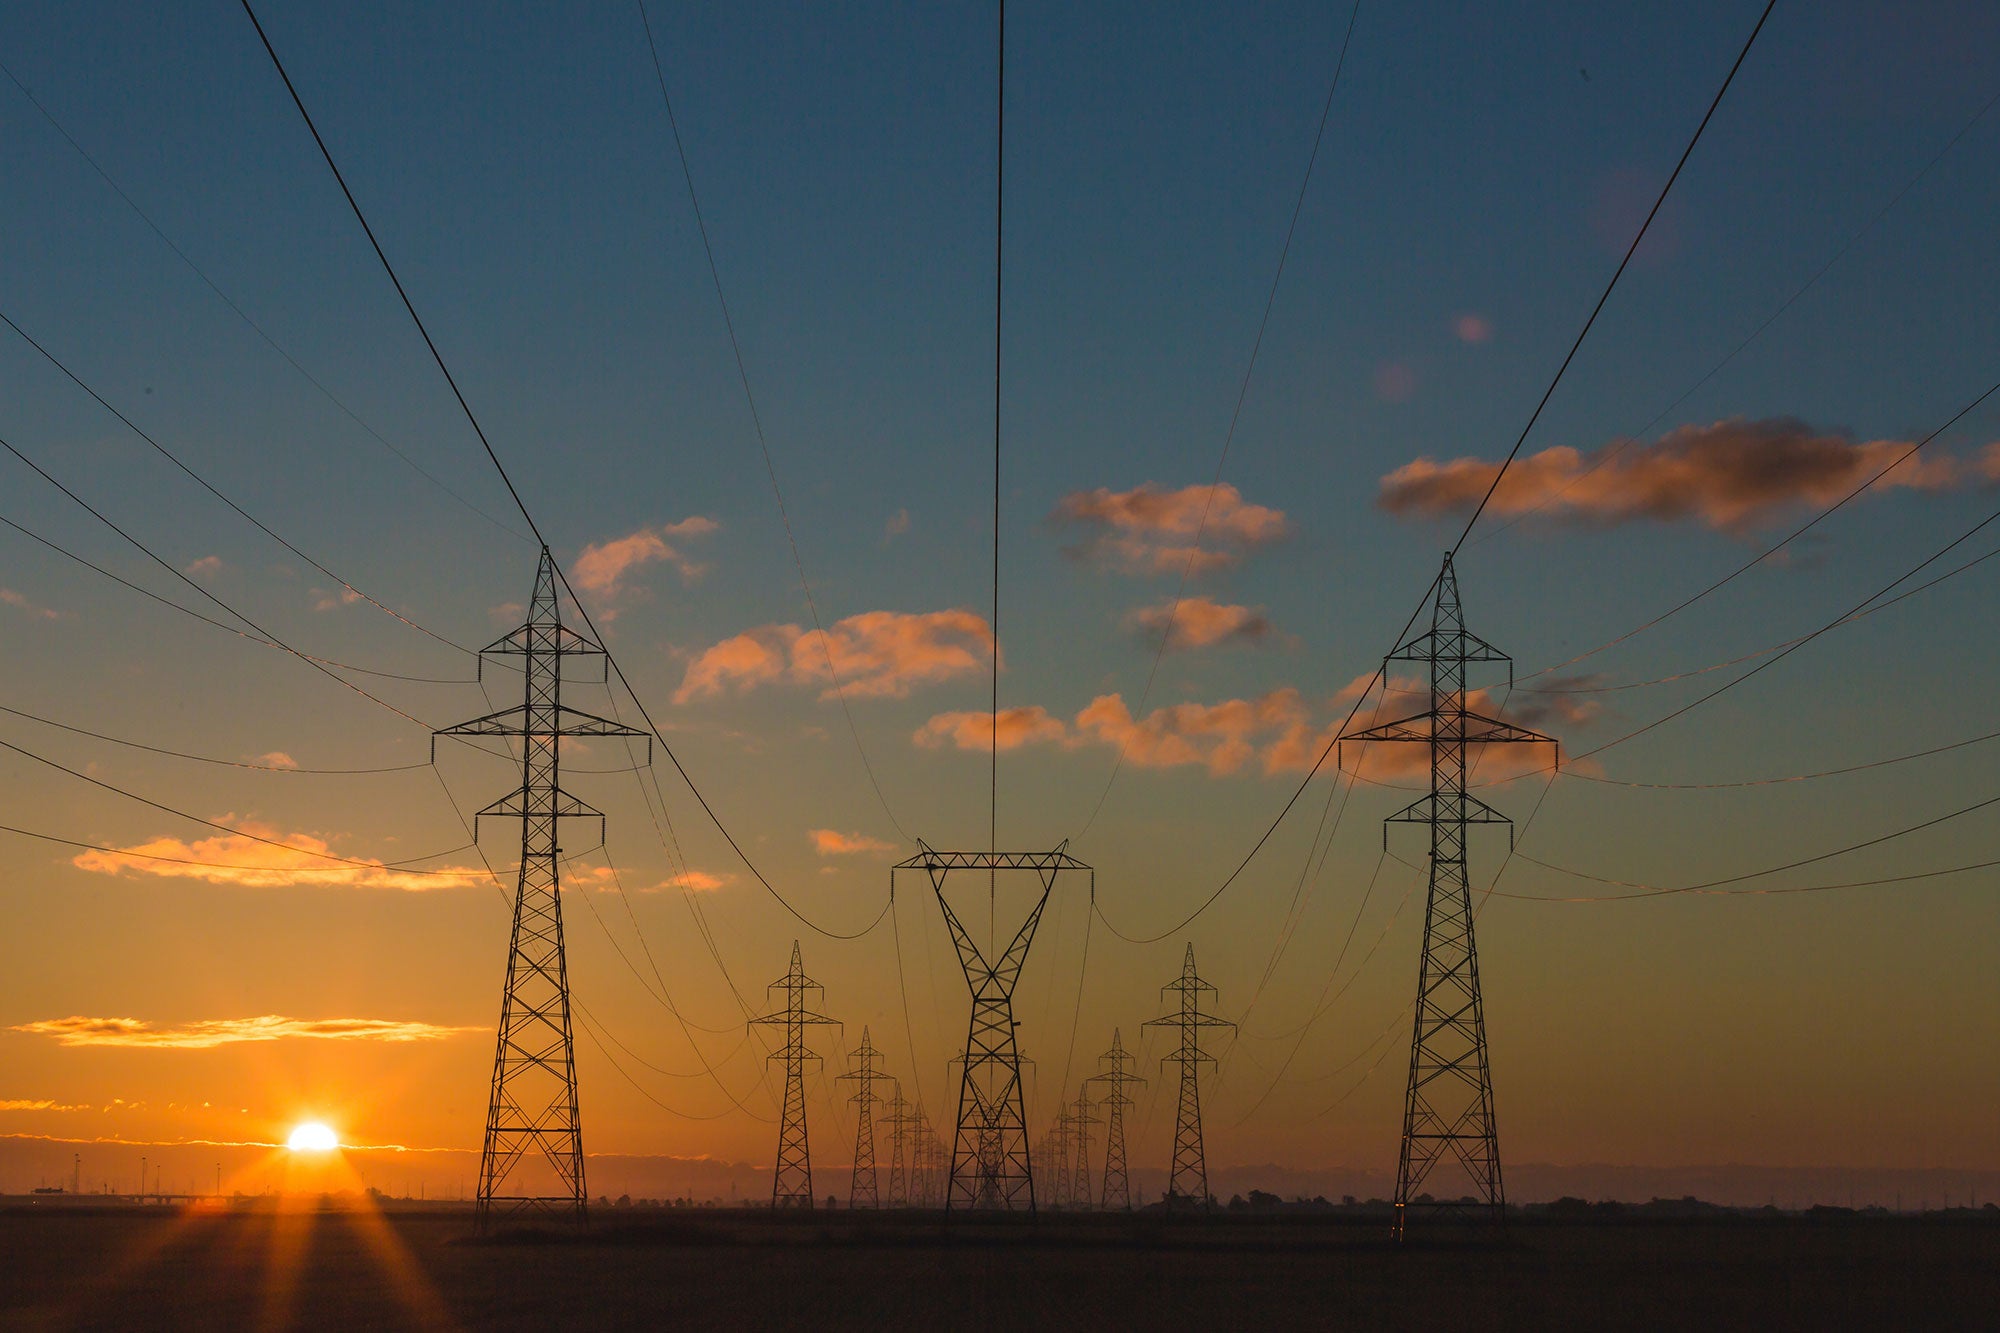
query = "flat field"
{"x": 249, "y": 1268}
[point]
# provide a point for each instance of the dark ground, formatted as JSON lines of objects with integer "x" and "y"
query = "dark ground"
{"x": 245, "y": 1269}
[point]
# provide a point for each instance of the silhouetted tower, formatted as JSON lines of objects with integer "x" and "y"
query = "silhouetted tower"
{"x": 1188, "y": 1185}
{"x": 1058, "y": 1145}
{"x": 901, "y": 1119}
{"x": 990, "y": 1166}
{"x": 1116, "y": 1073}
{"x": 1080, "y": 1121}
{"x": 792, "y": 1183}
{"x": 861, "y": 1188}
{"x": 1448, "y": 1107}
{"x": 532, "y": 1156}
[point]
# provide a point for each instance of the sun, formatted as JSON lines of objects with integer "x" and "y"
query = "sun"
{"x": 312, "y": 1137}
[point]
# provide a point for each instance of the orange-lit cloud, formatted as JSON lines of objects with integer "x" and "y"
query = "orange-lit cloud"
{"x": 1151, "y": 530}
{"x": 1221, "y": 737}
{"x": 602, "y": 566}
{"x": 879, "y": 654}
{"x": 277, "y": 759}
{"x": 36, "y": 1104}
{"x": 832, "y": 842}
{"x": 78, "y": 1030}
{"x": 20, "y": 602}
{"x": 333, "y": 601}
{"x": 206, "y": 567}
{"x": 1730, "y": 476}
{"x": 1199, "y": 622}
{"x": 245, "y": 862}
{"x": 1026, "y": 725}
{"x": 604, "y": 880}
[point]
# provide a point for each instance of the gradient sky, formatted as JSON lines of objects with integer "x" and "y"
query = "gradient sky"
{"x": 1480, "y": 176}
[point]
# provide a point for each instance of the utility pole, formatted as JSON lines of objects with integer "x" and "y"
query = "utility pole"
{"x": 1116, "y": 1073}
{"x": 1188, "y": 1185}
{"x": 1080, "y": 1121}
{"x": 861, "y": 1188}
{"x": 990, "y": 1165}
{"x": 532, "y": 1157}
{"x": 1448, "y": 1104}
{"x": 791, "y": 1183}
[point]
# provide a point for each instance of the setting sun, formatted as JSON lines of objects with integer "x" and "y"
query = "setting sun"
{"x": 312, "y": 1137}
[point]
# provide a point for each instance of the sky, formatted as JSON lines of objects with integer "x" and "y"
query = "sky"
{"x": 1815, "y": 297}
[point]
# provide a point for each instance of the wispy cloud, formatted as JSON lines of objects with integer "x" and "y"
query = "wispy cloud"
{"x": 203, "y": 1034}
{"x": 602, "y": 566}
{"x": 1152, "y": 530}
{"x": 245, "y": 862}
{"x": 21, "y": 602}
{"x": 206, "y": 567}
{"x": 604, "y": 880}
{"x": 277, "y": 759}
{"x": 898, "y": 524}
{"x": 333, "y": 601}
{"x": 1730, "y": 476}
{"x": 36, "y": 1104}
{"x": 1026, "y": 725}
{"x": 1199, "y": 622}
{"x": 832, "y": 842}
{"x": 879, "y": 654}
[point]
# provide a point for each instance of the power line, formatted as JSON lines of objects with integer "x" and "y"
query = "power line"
{"x": 1609, "y": 287}
{"x": 1716, "y": 369}
{"x": 400, "y": 867}
{"x": 1734, "y": 893}
{"x": 244, "y": 315}
{"x": 1235, "y": 415}
{"x": 204, "y": 483}
{"x": 203, "y": 758}
{"x": 494, "y": 457}
{"x": 757, "y": 422}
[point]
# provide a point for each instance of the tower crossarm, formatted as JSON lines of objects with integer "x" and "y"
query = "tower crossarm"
{"x": 1478, "y": 729}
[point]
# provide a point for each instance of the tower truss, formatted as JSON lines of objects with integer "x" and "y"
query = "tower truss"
{"x": 990, "y": 1166}
{"x": 792, "y": 1181}
{"x": 1080, "y": 1121}
{"x": 900, "y": 1120}
{"x": 1188, "y": 1185}
{"x": 1448, "y": 1105}
{"x": 863, "y": 1186}
{"x": 1115, "y": 1072}
{"x": 531, "y": 1157}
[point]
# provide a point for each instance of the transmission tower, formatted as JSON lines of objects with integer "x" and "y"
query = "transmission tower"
{"x": 1116, "y": 1073}
{"x": 792, "y": 1182}
{"x": 989, "y": 1156}
{"x": 532, "y": 1155}
{"x": 861, "y": 1188}
{"x": 1080, "y": 1121}
{"x": 900, "y": 1120}
{"x": 1059, "y": 1145}
{"x": 1188, "y": 1185}
{"x": 1448, "y": 1107}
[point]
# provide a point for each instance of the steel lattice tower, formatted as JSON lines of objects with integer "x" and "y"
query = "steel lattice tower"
{"x": 1448, "y": 1108}
{"x": 792, "y": 1182}
{"x": 861, "y": 1187}
{"x": 1058, "y": 1146}
{"x": 990, "y": 1165}
{"x": 1080, "y": 1121}
{"x": 1188, "y": 1185}
{"x": 532, "y": 1155}
{"x": 900, "y": 1120}
{"x": 1117, "y": 1072}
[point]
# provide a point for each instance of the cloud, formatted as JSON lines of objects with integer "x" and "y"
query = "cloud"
{"x": 898, "y": 524}
{"x": 879, "y": 654}
{"x": 604, "y": 880}
{"x": 1199, "y": 622}
{"x": 602, "y": 566}
{"x": 36, "y": 1104}
{"x": 832, "y": 842}
{"x": 1221, "y": 737}
{"x": 333, "y": 601}
{"x": 1730, "y": 476}
{"x": 1150, "y": 530}
{"x": 277, "y": 759}
{"x": 20, "y": 602}
{"x": 245, "y": 862}
{"x": 1471, "y": 328}
{"x": 204, "y": 1034}
{"x": 1395, "y": 382}
{"x": 206, "y": 567}
{"x": 1027, "y": 725}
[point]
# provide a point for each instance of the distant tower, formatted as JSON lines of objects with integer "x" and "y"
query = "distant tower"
{"x": 1188, "y": 1185}
{"x": 901, "y": 1119}
{"x": 1080, "y": 1121}
{"x": 532, "y": 1157}
{"x": 1116, "y": 1072}
{"x": 792, "y": 1181}
{"x": 1448, "y": 1107}
{"x": 861, "y": 1188}
{"x": 990, "y": 1165}
{"x": 1058, "y": 1147}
